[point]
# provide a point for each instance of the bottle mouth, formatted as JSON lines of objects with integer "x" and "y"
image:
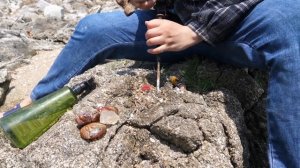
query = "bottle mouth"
{"x": 87, "y": 86}
{"x": 91, "y": 83}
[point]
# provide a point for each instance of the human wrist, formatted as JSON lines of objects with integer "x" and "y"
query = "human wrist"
{"x": 193, "y": 36}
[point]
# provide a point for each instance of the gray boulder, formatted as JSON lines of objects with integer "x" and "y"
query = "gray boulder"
{"x": 166, "y": 129}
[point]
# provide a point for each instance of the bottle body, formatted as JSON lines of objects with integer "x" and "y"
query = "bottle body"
{"x": 30, "y": 122}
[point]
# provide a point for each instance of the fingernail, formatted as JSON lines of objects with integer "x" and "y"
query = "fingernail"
{"x": 149, "y": 51}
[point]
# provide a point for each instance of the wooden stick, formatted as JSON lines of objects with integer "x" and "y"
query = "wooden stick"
{"x": 158, "y": 74}
{"x": 158, "y": 16}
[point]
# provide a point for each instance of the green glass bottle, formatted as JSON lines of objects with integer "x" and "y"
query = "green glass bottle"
{"x": 27, "y": 124}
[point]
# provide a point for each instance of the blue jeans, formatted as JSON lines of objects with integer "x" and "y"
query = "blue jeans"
{"x": 269, "y": 38}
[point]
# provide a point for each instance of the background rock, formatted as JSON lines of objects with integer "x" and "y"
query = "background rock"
{"x": 54, "y": 12}
{"x": 25, "y": 24}
{"x": 4, "y": 84}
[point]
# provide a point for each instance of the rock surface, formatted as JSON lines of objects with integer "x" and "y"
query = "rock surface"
{"x": 213, "y": 125}
{"x": 167, "y": 129}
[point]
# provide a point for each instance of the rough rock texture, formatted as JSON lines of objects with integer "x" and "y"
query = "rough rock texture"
{"x": 256, "y": 121}
{"x": 167, "y": 129}
{"x": 4, "y": 84}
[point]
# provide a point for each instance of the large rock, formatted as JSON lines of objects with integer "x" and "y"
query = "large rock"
{"x": 166, "y": 129}
{"x": 15, "y": 47}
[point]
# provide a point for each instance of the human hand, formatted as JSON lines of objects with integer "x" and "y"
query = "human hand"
{"x": 169, "y": 36}
{"x": 143, "y": 4}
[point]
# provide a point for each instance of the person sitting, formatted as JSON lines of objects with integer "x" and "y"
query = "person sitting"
{"x": 245, "y": 33}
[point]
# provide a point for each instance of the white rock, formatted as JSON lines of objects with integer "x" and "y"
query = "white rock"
{"x": 109, "y": 117}
{"x": 54, "y": 12}
{"x": 41, "y": 4}
{"x": 3, "y": 75}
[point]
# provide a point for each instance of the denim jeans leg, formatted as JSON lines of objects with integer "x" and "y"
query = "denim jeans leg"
{"x": 94, "y": 37}
{"x": 269, "y": 37}
{"x": 98, "y": 37}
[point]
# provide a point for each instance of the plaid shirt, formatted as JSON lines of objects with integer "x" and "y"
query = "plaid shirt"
{"x": 213, "y": 20}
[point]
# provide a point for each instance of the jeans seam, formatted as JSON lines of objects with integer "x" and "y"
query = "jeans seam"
{"x": 252, "y": 46}
{"x": 271, "y": 156}
{"x": 270, "y": 148}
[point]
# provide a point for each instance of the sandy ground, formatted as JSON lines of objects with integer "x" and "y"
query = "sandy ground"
{"x": 26, "y": 77}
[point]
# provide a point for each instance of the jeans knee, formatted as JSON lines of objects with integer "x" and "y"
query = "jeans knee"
{"x": 88, "y": 21}
{"x": 283, "y": 21}
{"x": 92, "y": 26}
{"x": 277, "y": 36}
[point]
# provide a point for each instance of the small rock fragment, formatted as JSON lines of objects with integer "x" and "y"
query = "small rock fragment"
{"x": 146, "y": 87}
{"x": 93, "y": 131}
{"x": 54, "y": 12}
{"x": 109, "y": 115}
{"x": 174, "y": 80}
{"x": 86, "y": 118}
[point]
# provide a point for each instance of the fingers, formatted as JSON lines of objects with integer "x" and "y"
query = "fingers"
{"x": 157, "y": 50}
{"x": 153, "y": 28}
{"x": 152, "y": 33}
{"x": 153, "y": 23}
{"x": 155, "y": 37}
{"x": 159, "y": 40}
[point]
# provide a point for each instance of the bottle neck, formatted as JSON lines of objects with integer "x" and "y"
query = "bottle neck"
{"x": 84, "y": 86}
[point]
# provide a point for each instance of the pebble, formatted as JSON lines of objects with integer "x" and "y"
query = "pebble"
{"x": 54, "y": 12}
{"x": 109, "y": 115}
{"x": 93, "y": 131}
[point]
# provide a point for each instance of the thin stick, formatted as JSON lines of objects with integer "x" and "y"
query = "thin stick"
{"x": 158, "y": 74}
{"x": 159, "y": 16}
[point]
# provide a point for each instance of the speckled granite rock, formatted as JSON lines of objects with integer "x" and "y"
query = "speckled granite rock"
{"x": 169, "y": 129}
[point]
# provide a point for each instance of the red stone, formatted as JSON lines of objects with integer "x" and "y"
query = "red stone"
{"x": 146, "y": 87}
